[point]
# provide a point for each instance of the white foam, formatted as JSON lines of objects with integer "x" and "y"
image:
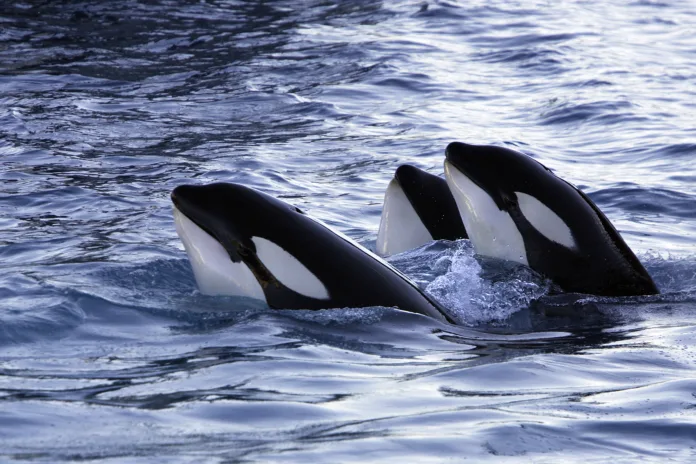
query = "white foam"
{"x": 471, "y": 299}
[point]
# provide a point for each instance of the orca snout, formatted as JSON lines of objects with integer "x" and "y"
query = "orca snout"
{"x": 177, "y": 195}
{"x": 181, "y": 192}
{"x": 191, "y": 199}
{"x": 406, "y": 174}
{"x": 462, "y": 156}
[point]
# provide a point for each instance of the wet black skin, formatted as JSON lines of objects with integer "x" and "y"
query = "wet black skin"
{"x": 432, "y": 201}
{"x": 233, "y": 214}
{"x": 601, "y": 263}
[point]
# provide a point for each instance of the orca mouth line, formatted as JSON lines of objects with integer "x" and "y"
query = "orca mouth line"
{"x": 178, "y": 204}
{"x": 457, "y": 165}
{"x": 467, "y": 175}
{"x": 181, "y": 207}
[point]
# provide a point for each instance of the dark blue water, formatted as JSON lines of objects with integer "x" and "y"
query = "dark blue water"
{"x": 108, "y": 352}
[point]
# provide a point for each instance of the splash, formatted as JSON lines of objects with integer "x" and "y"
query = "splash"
{"x": 483, "y": 292}
{"x": 672, "y": 274}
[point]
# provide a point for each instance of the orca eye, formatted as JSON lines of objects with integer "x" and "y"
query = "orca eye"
{"x": 299, "y": 210}
{"x": 509, "y": 201}
{"x": 243, "y": 251}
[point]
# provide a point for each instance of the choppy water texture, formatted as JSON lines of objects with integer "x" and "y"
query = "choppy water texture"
{"x": 107, "y": 352}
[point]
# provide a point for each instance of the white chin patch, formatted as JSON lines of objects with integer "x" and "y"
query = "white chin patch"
{"x": 400, "y": 228}
{"x": 492, "y": 231}
{"x": 215, "y": 272}
{"x": 545, "y": 220}
{"x": 288, "y": 270}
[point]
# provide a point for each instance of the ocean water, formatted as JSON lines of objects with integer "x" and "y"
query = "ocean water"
{"x": 108, "y": 352}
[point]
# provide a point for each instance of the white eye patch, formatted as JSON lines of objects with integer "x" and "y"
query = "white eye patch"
{"x": 400, "y": 228}
{"x": 288, "y": 270}
{"x": 543, "y": 219}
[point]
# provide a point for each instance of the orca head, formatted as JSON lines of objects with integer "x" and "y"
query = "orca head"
{"x": 512, "y": 205}
{"x": 400, "y": 227}
{"x": 515, "y": 208}
{"x": 418, "y": 208}
{"x": 234, "y": 238}
{"x": 242, "y": 242}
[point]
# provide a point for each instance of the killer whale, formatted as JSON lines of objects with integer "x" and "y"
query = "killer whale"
{"x": 514, "y": 208}
{"x": 418, "y": 208}
{"x": 246, "y": 243}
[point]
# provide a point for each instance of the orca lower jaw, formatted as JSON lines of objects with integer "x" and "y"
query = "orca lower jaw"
{"x": 491, "y": 230}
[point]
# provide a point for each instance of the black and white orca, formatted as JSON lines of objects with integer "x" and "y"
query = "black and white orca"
{"x": 514, "y": 208}
{"x": 418, "y": 208}
{"x": 243, "y": 242}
